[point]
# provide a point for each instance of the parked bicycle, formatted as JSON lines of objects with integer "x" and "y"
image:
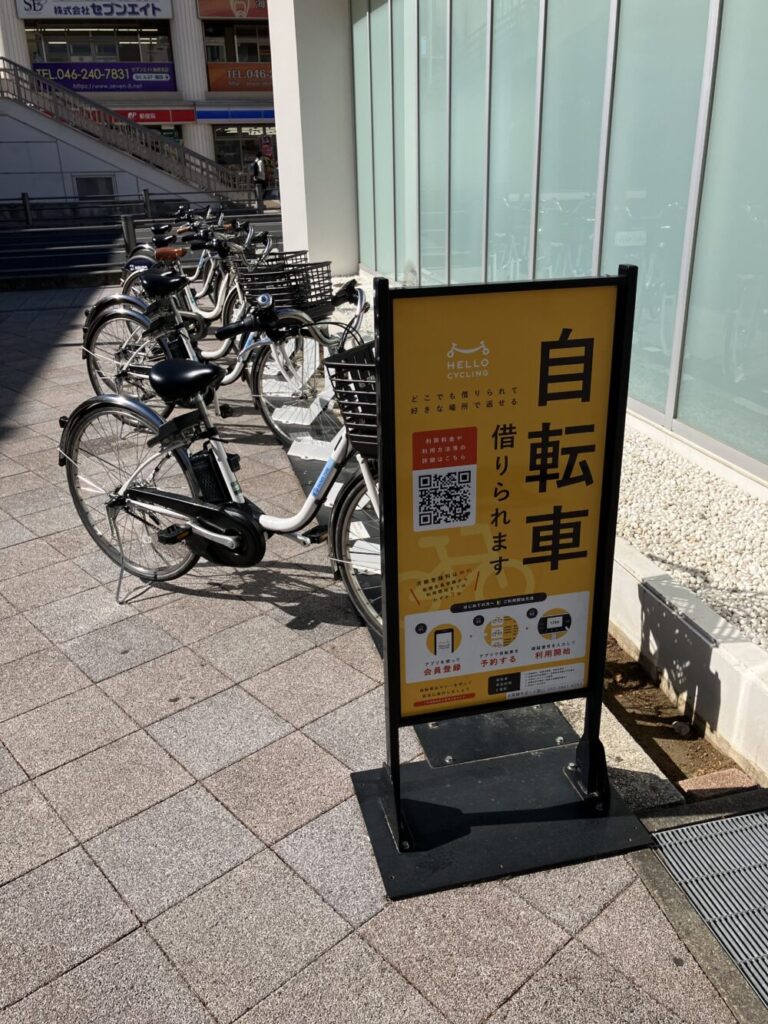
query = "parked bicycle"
{"x": 154, "y": 506}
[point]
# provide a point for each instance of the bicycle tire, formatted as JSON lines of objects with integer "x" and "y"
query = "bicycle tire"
{"x": 105, "y": 444}
{"x": 304, "y": 407}
{"x": 103, "y": 345}
{"x": 356, "y": 536}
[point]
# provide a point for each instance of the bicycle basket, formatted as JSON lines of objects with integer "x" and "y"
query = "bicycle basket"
{"x": 353, "y": 377}
{"x": 281, "y": 260}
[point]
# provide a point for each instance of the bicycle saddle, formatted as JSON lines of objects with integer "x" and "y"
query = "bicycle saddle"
{"x": 178, "y": 379}
{"x": 169, "y": 252}
{"x": 161, "y": 229}
{"x": 159, "y": 284}
{"x": 161, "y": 240}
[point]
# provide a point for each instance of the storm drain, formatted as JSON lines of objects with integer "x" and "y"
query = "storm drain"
{"x": 722, "y": 866}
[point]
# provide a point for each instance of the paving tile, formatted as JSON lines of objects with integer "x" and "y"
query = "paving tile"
{"x": 578, "y": 986}
{"x": 10, "y": 773}
{"x": 37, "y": 499}
{"x": 52, "y": 520}
{"x": 218, "y": 731}
{"x": 9, "y": 467}
{"x": 246, "y": 933}
{"x": 466, "y": 950}
{"x": 73, "y": 616}
{"x": 12, "y": 532}
{"x": 633, "y": 935}
{"x": 112, "y": 784}
{"x": 572, "y": 896}
{"x": 171, "y": 850}
{"x": 334, "y": 854}
{"x": 6, "y": 609}
{"x": 46, "y": 585}
{"x": 17, "y": 483}
{"x": 252, "y": 647}
{"x": 308, "y": 687}
{"x": 358, "y": 650}
{"x": 727, "y": 780}
{"x": 130, "y": 983}
{"x": 349, "y": 984}
{"x": 123, "y": 645}
{"x": 97, "y": 565}
{"x": 30, "y": 832}
{"x": 71, "y": 541}
{"x": 280, "y": 788}
{"x": 54, "y": 918}
{"x": 23, "y": 440}
{"x": 63, "y": 730}
{"x": 355, "y": 733}
{"x": 321, "y": 616}
{"x": 198, "y": 616}
{"x": 164, "y": 686}
{"x": 37, "y": 679}
{"x": 18, "y": 638}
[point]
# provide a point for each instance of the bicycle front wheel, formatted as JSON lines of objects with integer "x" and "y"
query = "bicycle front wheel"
{"x": 293, "y": 393}
{"x": 107, "y": 447}
{"x": 356, "y": 533}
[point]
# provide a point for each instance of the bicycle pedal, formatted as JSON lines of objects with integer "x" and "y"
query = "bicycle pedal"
{"x": 174, "y": 534}
{"x": 226, "y": 410}
{"x": 316, "y": 535}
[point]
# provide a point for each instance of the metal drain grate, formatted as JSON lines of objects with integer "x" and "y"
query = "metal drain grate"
{"x": 722, "y": 866}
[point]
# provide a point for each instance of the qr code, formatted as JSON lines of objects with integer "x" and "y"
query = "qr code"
{"x": 444, "y": 497}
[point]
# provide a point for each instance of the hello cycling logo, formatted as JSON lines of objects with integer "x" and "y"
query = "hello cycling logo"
{"x": 464, "y": 363}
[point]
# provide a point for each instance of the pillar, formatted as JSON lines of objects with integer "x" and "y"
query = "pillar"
{"x": 13, "y": 39}
{"x": 311, "y": 42}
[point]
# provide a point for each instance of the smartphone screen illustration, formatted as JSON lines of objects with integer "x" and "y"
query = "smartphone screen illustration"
{"x": 444, "y": 641}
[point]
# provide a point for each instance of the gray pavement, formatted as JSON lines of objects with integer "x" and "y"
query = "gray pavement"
{"x": 178, "y": 836}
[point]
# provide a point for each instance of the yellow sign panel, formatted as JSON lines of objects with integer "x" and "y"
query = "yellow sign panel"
{"x": 500, "y": 413}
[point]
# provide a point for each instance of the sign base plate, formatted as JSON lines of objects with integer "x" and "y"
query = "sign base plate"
{"x": 509, "y": 731}
{"x": 488, "y": 819}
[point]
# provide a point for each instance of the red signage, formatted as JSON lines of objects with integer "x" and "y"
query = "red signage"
{"x": 163, "y": 116}
{"x": 232, "y": 8}
{"x": 231, "y": 77}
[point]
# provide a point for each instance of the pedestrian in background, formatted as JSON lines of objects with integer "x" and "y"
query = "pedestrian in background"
{"x": 259, "y": 172}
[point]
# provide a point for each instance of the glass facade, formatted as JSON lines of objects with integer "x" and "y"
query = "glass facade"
{"x": 503, "y": 140}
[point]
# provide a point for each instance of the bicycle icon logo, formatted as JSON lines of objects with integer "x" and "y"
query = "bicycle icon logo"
{"x": 454, "y": 349}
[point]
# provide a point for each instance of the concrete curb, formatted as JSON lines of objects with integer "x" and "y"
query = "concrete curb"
{"x": 701, "y": 661}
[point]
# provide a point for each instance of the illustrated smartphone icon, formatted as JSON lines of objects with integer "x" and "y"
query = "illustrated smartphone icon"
{"x": 444, "y": 641}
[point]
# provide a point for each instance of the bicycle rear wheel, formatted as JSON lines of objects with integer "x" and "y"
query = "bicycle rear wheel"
{"x": 292, "y": 391}
{"x": 118, "y": 360}
{"x": 356, "y": 533}
{"x": 104, "y": 449}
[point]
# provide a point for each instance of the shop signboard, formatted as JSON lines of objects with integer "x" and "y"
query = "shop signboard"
{"x": 226, "y": 76}
{"x": 497, "y": 544}
{"x": 133, "y": 10}
{"x": 112, "y": 76}
{"x": 179, "y": 115}
{"x": 232, "y": 8}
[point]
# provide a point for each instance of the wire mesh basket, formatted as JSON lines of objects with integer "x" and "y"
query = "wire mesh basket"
{"x": 280, "y": 260}
{"x": 353, "y": 377}
{"x": 305, "y": 286}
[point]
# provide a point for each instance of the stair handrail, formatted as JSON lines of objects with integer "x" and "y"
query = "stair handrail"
{"x": 69, "y": 107}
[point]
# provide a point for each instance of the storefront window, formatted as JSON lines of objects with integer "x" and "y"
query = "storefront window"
{"x": 237, "y": 145}
{"x": 97, "y": 43}
{"x": 243, "y": 44}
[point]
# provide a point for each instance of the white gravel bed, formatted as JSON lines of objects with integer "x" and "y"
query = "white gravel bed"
{"x": 708, "y": 534}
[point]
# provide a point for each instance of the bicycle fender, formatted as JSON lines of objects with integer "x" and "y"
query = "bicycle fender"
{"x": 114, "y": 300}
{"x": 124, "y": 402}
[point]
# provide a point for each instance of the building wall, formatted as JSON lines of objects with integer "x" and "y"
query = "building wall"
{"x": 515, "y": 139}
{"x": 44, "y": 158}
{"x": 220, "y": 123}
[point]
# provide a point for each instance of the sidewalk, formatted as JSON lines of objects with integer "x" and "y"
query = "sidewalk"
{"x": 178, "y": 836}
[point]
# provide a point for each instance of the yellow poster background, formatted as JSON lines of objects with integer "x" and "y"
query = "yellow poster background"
{"x": 465, "y": 361}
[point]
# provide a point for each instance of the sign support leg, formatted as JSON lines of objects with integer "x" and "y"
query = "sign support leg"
{"x": 391, "y": 796}
{"x": 589, "y": 772}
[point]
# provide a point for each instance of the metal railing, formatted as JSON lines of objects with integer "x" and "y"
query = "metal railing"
{"x": 32, "y": 90}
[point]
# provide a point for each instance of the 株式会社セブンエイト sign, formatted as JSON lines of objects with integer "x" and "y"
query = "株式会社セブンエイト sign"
{"x": 495, "y": 412}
